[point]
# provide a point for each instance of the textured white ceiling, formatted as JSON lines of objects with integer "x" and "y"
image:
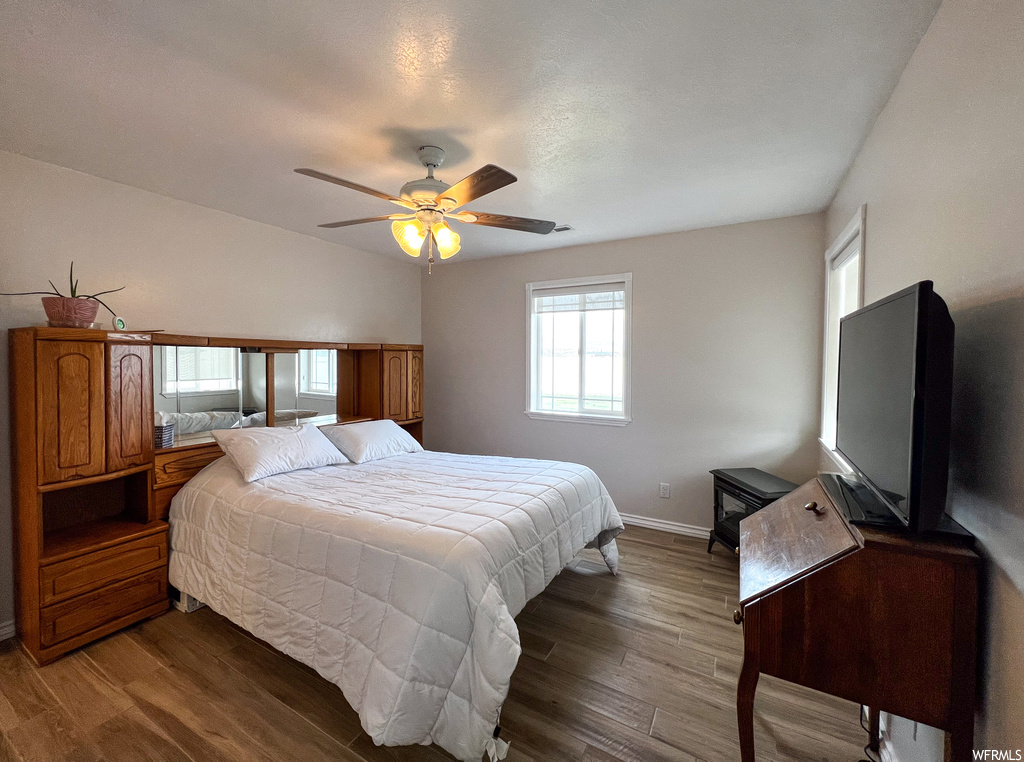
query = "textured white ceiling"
{"x": 619, "y": 118}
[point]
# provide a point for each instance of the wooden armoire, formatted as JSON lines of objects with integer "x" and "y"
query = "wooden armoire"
{"x": 90, "y": 555}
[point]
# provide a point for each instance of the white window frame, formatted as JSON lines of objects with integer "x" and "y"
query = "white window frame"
{"x": 838, "y": 253}
{"x": 607, "y": 420}
{"x": 212, "y": 393}
{"x": 298, "y": 376}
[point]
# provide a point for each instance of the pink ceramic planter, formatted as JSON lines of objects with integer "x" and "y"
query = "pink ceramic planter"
{"x": 64, "y": 311}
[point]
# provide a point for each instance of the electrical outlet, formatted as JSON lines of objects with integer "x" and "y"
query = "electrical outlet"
{"x": 664, "y": 490}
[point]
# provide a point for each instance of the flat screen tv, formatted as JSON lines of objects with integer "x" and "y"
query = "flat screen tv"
{"x": 895, "y": 389}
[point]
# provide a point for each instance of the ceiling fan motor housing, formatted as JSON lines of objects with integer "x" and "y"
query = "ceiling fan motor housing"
{"x": 428, "y": 187}
{"x": 424, "y": 189}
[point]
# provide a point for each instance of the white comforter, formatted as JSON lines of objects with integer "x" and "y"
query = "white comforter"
{"x": 398, "y": 580}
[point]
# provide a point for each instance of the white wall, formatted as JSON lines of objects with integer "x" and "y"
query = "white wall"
{"x": 187, "y": 269}
{"x": 942, "y": 173}
{"x": 726, "y": 360}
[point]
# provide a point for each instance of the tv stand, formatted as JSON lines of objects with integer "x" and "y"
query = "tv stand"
{"x": 882, "y": 618}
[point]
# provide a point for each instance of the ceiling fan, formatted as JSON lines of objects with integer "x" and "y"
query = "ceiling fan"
{"x": 431, "y": 203}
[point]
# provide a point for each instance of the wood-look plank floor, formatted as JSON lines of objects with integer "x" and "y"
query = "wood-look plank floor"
{"x": 642, "y": 666}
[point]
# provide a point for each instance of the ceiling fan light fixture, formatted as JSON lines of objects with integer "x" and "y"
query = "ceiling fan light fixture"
{"x": 409, "y": 234}
{"x": 447, "y": 240}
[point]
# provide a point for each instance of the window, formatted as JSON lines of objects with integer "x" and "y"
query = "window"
{"x": 579, "y": 349}
{"x": 844, "y": 293}
{"x": 318, "y": 372}
{"x": 200, "y": 370}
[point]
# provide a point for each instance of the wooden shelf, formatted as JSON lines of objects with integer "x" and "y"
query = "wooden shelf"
{"x": 73, "y": 483}
{"x": 95, "y": 535}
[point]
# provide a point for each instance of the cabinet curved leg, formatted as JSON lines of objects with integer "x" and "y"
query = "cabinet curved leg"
{"x": 745, "y": 707}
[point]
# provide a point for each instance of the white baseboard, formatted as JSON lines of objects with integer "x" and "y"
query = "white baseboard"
{"x": 665, "y": 526}
{"x": 6, "y": 630}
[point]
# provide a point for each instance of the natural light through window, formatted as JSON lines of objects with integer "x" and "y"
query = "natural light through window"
{"x": 579, "y": 339}
{"x": 200, "y": 370}
{"x": 844, "y": 265}
{"x": 318, "y": 372}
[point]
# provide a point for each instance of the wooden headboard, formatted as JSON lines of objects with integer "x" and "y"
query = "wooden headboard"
{"x": 374, "y": 381}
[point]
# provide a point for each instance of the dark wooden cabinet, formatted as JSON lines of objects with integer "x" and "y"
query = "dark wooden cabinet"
{"x": 69, "y": 409}
{"x": 129, "y": 405}
{"x": 881, "y": 618}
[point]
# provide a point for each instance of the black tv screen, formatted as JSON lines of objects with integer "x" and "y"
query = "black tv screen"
{"x": 895, "y": 382}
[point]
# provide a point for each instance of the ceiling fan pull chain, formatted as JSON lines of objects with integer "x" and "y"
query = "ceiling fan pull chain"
{"x": 430, "y": 252}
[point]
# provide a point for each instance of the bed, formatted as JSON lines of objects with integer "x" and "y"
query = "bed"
{"x": 398, "y": 579}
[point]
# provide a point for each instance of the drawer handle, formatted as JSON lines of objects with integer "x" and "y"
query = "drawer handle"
{"x": 813, "y": 506}
{"x": 737, "y": 616}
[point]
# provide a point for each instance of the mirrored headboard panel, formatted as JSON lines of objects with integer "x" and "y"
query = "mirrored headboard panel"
{"x": 306, "y": 387}
{"x": 204, "y": 384}
{"x": 196, "y": 390}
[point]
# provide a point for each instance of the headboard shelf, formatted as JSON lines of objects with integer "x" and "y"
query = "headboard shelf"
{"x": 49, "y": 333}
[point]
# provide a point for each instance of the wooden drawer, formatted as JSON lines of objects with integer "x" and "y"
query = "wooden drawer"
{"x": 66, "y": 579}
{"x": 806, "y": 525}
{"x": 86, "y": 612}
{"x": 178, "y": 466}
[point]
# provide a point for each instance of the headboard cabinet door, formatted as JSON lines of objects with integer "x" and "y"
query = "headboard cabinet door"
{"x": 395, "y": 384}
{"x": 129, "y": 406}
{"x": 69, "y": 410}
{"x": 416, "y": 383}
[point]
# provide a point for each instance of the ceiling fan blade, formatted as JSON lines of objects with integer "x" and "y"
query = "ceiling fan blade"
{"x": 355, "y": 186}
{"x": 346, "y": 223}
{"x": 543, "y": 227}
{"x": 485, "y": 180}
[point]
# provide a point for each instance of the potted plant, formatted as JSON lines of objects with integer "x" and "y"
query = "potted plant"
{"x": 74, "y": 311}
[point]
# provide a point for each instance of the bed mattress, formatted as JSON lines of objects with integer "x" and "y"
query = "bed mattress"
{"x": 398, "y": 580}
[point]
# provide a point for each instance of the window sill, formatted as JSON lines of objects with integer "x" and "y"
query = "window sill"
{"x": 218, "y": 393}
{"x": 835, "y": 457}
{"x": 602, "y": 420}
{"x": 319, "y": 395}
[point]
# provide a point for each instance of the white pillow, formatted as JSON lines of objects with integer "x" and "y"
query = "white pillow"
{"x": 371, "y": 440}
{"x": 262, "y": 452}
